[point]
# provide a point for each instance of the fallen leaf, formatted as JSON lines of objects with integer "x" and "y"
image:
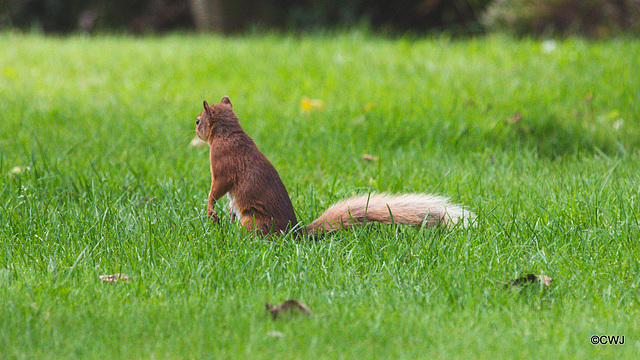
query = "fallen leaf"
{"x": 197, "y": 142}
{"x": 309, "y": 104}
{"x": 114, "y": 278}
{"x": 289, "y": 307}
{"x": 529, "y": 279}
{"x": 516, "y": 117}
{"x": 369, "y": 157}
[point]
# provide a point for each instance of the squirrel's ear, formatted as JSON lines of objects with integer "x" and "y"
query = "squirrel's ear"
{"x": 206, "y": 106}
{"x": 225, "y": 100}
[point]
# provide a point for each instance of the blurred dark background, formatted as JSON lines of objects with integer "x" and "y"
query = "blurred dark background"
{"x": 591, "y": 18}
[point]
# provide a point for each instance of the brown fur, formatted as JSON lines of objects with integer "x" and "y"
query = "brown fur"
{"x": 240, "y": 169}
{"x": 258, "y": 196}
{"x": 408, "y": 209}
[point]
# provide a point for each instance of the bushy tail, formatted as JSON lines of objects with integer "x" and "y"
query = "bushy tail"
{"x": 409, "y": 209}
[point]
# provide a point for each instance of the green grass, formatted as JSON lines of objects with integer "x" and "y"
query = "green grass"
{"x": 101, "y": 127}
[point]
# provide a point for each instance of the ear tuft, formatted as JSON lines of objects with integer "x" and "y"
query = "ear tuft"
{"x": 225, "y": 100}
{"x": 206, "y": 106}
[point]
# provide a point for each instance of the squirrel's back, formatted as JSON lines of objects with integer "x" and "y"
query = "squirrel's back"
{"x": 409, "y": 209}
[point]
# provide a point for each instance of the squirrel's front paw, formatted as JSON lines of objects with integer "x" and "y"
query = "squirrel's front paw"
{"x": 213, "y": 215}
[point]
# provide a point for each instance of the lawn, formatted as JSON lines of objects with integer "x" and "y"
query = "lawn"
{"x": 541, "y": 139}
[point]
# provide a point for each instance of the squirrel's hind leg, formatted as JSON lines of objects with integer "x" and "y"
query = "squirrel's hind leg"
{"x": 249, "y": 224}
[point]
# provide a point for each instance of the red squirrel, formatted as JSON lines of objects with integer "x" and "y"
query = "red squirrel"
{"x": 259, "y": 199}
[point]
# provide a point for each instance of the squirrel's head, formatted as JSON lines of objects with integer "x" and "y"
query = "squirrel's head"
{"x": 214, "y": 118}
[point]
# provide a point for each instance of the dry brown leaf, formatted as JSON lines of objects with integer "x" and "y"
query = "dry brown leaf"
{"x": 369, "y": 157}
{"x": 114, "y": 278}
{"x": 516, "y": 117}
{"x": 529, "y": 279}
{"x": 289, "y": 307}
